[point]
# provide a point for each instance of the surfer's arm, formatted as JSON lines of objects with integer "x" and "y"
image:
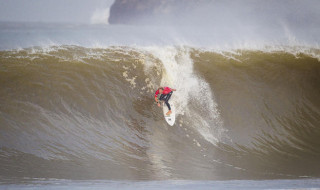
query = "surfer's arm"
{"x": 156, "y": 99}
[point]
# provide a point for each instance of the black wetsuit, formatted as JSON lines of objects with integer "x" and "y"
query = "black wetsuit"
{"x": 165, "y": 98}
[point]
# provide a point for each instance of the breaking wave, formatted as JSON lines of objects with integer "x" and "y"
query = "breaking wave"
{"x": 88, "y": 113}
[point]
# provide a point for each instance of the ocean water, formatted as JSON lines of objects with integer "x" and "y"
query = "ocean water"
{"x": 172, "y": 184}
{"x": 77, "y": 108}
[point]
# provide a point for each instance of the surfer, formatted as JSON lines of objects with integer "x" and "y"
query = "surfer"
{"x": 165, "y": 94}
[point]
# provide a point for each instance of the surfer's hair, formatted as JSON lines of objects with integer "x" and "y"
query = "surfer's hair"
{"x": 160, "y": 88}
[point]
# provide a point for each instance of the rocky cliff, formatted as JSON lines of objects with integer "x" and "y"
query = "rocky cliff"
{"x": 151, "y": 11}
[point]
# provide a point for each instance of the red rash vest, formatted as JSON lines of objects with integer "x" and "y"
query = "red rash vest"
{"x": 166, "y": 90}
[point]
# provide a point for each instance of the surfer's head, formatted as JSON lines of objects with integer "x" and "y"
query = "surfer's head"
{"x": 160, "y": 90}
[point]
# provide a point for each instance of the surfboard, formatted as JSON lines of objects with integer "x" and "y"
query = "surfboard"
{"x": 169, "y": 118}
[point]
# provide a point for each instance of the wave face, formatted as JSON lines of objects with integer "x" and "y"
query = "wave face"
{"x": 88, "y": 113}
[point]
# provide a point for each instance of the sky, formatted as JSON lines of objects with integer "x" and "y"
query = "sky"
{"x": 68, "y": 11}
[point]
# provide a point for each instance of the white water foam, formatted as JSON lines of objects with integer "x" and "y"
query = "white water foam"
{"x": 179, "y": 74}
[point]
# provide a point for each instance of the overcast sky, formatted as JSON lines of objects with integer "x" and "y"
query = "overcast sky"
{"x": 75, "y": 11}
{"x": 298, "y": 12}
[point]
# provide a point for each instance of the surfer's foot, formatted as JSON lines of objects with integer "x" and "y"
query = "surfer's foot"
{"x": 169, "y": 112}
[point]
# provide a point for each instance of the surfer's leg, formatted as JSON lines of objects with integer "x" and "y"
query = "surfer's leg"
{"x": 167, "y": 103}
{"x": 167, "y": 100}
{"x": 162, "y": 97}
{"x": 168, "y": 97}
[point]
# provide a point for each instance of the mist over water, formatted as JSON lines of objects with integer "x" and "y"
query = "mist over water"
{"x": 76, "y": 101}
{"x": 220, "y": 25}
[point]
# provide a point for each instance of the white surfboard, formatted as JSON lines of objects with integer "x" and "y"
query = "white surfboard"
{"x": 172, "y": 117}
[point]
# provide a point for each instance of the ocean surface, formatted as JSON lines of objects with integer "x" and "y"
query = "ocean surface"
{"x": 77, "y": 107}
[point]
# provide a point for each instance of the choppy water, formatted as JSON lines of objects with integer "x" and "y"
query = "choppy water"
{"x": 82, "y": 111}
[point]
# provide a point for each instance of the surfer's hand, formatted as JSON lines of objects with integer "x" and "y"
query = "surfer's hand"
{"x": 159, "y": 104}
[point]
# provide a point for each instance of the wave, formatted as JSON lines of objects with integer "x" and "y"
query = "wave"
{"x": 88, "y": 113}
